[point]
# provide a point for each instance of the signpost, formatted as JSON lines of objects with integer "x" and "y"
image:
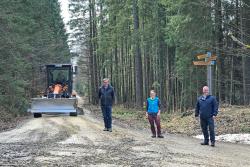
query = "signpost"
{"x": 209, "y": 61}
{"x": 209, "y": 72}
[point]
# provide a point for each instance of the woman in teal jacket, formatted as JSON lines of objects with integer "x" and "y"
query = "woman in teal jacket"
{"x": 153, "y": 104}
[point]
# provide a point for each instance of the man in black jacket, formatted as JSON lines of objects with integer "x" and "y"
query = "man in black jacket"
{"x": 106, "y": 95}
{"x": 207, "y": 109}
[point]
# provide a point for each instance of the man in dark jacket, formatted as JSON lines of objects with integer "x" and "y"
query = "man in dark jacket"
{"x": 207, "y": 109}
{"x": 106, "y": 95}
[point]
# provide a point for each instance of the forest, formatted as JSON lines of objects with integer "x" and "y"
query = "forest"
{"x": 55, "y": 54}
{"x": 138, "y": 44}
{"x": 32, "y": 34}
{"x": 144, "y": 44}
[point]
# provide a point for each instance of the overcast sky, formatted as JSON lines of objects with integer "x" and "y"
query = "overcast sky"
{"x": 66, "y": 17}
{"x": 65, "y": 11}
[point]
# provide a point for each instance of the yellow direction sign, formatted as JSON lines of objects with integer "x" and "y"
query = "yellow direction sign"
{"x": 207, "y": 60}
{"x": 200, "y": 63}
{"x": 202, "y": 56}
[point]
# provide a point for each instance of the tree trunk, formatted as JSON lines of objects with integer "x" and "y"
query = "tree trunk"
{"x": 219, "y": 49}
{"x": 138, "y": 59}
{"x": 243, "y": 58}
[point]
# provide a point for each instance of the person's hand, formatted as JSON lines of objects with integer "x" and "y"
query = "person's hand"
{"x": 158, "y": 114}
{"x": 214, "y": 117}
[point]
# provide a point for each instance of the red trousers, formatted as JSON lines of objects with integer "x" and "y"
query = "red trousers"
{"x": 154, "y": 120}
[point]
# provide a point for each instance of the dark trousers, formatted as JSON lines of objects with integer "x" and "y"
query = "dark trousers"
{"x": 154, "y": 119}
{"x": 205, "y": 124}
{"x": 107, "y": 116}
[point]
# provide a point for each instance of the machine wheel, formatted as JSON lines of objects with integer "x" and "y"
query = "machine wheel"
{"x": 80, "y": 111}
{"x": 37, "y": 115}
{"x": 73, "y": 114}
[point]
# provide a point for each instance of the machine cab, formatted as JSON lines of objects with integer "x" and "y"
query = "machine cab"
{"x": 60, "y": 74}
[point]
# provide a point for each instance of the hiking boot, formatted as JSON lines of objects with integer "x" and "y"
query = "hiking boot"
{"x": 110, "y": 129}
{"x": 154, "y": 136}
{"x": 105, "y": 129}
{"x": 212, "y": 144}
{"x": 160, "y": 136}
{"x": 204, "y": 143}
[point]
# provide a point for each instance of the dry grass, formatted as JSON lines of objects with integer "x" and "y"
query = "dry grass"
{"x": 234, "y": 119}
{"x": 8, "y": 120}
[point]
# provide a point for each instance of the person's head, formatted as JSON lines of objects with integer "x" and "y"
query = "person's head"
{"x": 205, "y": 90}
{"x": 105, "y": 82}
{"x": 152, "y": 94}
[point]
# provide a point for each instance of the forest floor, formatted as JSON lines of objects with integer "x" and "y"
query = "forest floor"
{"x": 9, "y": 121}
{"x": 62, "y": 140}
{"x": 232, "y": 122}
{"x": 233, "y": 119}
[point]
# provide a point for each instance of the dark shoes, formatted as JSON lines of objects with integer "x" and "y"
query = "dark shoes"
{"x": 160, "y": 136}
{"x": 204, "y": 143}
{"x": 107, "y": 129}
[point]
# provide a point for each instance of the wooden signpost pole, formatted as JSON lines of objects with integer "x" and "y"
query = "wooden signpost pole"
{"x": 209, "y": 74}
{"x": 209, "y": 61}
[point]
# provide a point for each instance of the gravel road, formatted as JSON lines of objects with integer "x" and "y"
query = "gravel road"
{"x": 79, "y": 141}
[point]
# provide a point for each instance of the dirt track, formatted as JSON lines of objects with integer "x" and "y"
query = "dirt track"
{"x": 80, "y": 141}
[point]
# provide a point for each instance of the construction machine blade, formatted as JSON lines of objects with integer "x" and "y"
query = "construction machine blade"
{"x": 57, "y": 105}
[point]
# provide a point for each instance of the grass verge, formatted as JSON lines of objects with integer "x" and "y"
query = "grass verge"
{"x": 233, "y": 119}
